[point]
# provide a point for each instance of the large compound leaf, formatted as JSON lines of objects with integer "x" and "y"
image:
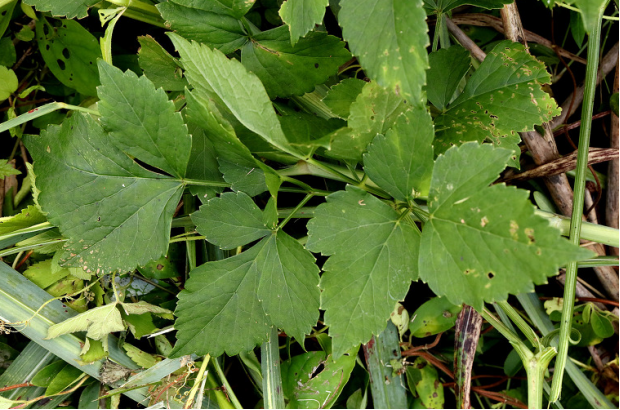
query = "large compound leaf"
{"x": 374, "y": 112}
{"x": 209, "y": 71}
{"x": 230, "y": 221}
{"x": 373, "y": 258}
{"x": 273, "y": 283}
{"x": 142, "y": 121}
{"x": 302, "y": 15}
{"x": 389, "y": 37}
{"x": 115, "y": 214}
{"x": 482, "y": 242}
{"x": 401, "y": 162}
{"x": 208, "y": 22}
{"x": 448, "y": 67}
{"x": 71, "y": 53}
{"x": 63, "y": 8}
{"x": 287, "y": 70}
{"x": 503, "y": 97}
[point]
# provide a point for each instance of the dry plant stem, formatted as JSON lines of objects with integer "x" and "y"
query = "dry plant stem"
{"x": 608, "y": 63}
{"x": 564, "y": 164}
{"x": 468, "y": 325}
{"x": 611, "y": 206}
{"x": 485, "y": 20}
{"x": 513, "y": 29}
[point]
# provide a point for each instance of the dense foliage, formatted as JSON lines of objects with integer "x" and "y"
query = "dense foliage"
{"x": 233, "y": 196}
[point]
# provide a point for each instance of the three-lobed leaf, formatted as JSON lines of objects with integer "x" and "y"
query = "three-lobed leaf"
{"x": 361, "y": 287}
{"x": 482, "y": 243}
{"x": 115, "y": 214}
{"x": 274, "y": 283}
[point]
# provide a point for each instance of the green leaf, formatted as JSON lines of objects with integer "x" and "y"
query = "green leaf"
{"x": 422, "y": 378}
{"x": 306, "y": 132}
{"x": 139, "y": 357}
{"x": 502, "y": 97}
{"x": 6, "y": 14}
{"x": 8, "y": 83}
{"x": 601, "y": 325}
{"x": 273, "y": 283}
{"x": 389, "y": 37}
{"x": 374, "y": 112}
{"x": 203, "y": 164}
{"x": 591, "y": 11}
{"x": 66, "y": 8}
{"x": 29, "y": 216}
{"x": 93, "y": 351}
{"x": 434, "y": 316}
{"x": 116, "y": 214}
{"x": 236, "y": 161}
{"x": 613, "y": 102}
{"x": 482, "y": 242}
{"x": 443, "y": 6}
{"x": 242, "y": 92}
{"x": 6, "y": 168}
{"x": 287, "y": 70}
{"x": 401, "y": 162}
{"x": 96, "y": 322}
{"x": 230, "y": 221}
{"x": 208, "y": 22}
{"x": 139, "y": 325}
{"x": 360, "y": 288}
{"x": 159, "y": 66}
{"x": 314, "y": 377}
{"x": 448, "y": 67}
{"x": 63, "y": 380}
{"x": 340, "y": 97}
{"x": 141, "y": 307}
{"x": 44, "y": 377}
{"x": 142, "y": 121}
{"x": 8, "y": 56}
{"x": 89, "y": 398}
{"x": 302, "y": 15}
{"x": 41, "y": 274}
{"x": 71, "y": 54}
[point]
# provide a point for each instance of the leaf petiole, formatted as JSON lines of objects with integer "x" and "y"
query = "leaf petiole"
{"x": 299, "y": 206}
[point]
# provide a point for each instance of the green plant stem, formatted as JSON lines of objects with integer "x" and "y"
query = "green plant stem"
{"x": 299, "y": 206}
{"x": 535, "y": 363}
{"x": 231, "y": 394}
{"x": 521, "y": 324}
{"x": 594, "y": 42}
{"x": 273, "y": 395}
{"x": 197, "y": 182}
{"x": 202, "y": 373}
{"x": 573, "y": 8}
{"x": 589, "y": 231}
{"x": 535, "y": 311}
{"x": 41, "y": 111}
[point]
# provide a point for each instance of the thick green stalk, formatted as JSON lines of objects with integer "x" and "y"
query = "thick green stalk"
{"x": 388, "y": 389}
{"x": 521, "y": 323}
{"x": 535, "y": 311}
{"x": 594, "y": 43}
{"x": 535, "y": 363}
{"x": 273, "y": 396}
